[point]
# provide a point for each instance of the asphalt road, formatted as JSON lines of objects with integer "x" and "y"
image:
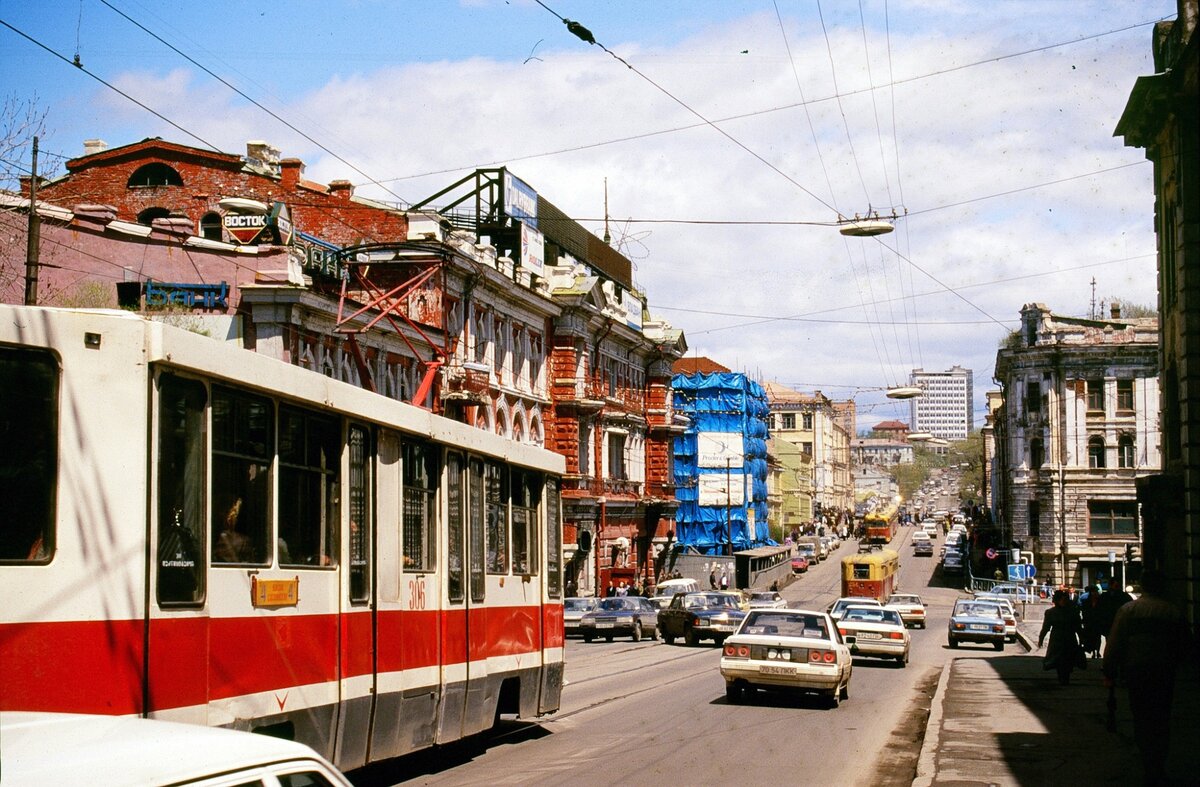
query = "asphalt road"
{"x": 649, "y": 712}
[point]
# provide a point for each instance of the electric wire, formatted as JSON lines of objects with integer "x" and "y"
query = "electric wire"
{"x": 241, "y": 93}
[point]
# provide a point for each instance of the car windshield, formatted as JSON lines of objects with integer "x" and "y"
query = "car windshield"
{"x": 843, "y": 603}
{"x": 980, "y": 610}
{"x": 786, "y": 625}
{"x": 871, "y": 615}
{"x": 619, "y": 603}
{"x": 702, "y": 600}
{"x": 579, "y": 604}
{"x": 904, "y": 600}
{"x": 764, "y": 596}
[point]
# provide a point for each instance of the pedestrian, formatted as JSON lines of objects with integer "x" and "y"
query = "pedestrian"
{"x": 611, "y": 591}
{"x": 1149, "y": 639}
{"x": 712, "y": 579}
{"x": 1063, "y": 625}
{"x": 623, "y": 590}
{"x": 724, "y": 580}
{"x": 1092, "y": 616}
{"x": 1113, "y": 599}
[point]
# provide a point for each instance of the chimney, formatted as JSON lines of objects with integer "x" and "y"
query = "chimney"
{"x": 341, "y": 188}
{"x": 1116, "y": 310}
{"x": 93, "y": 146}
{"x": 263, "y": 155}
{"x": 291, "y": 170}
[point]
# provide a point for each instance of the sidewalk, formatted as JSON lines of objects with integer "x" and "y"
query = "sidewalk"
{"x": 1003, "y": 721}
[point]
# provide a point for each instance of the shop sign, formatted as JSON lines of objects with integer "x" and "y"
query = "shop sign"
{"x": 520, "y": 201}
{"x": 719, "y": 449}
{"x": 533, "y": 250}
{"x": 208, "y": 296}
{"x": 244, "y": 227}
{"x": 281, "y": 221}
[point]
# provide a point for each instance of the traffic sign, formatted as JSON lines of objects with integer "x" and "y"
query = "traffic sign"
{"x": 991, "y": 553}
{"x": 1020, "y": 572}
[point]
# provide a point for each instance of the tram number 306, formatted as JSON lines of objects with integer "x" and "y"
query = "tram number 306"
{"x": 416, "y": 593}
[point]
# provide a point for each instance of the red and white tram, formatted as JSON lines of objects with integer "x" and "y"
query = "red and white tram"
{"x": 192, "y": 531}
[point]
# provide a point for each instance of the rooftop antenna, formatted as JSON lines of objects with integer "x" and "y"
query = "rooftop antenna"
{"x": 607, "y": 237}
{"x": 1093, "y": 313}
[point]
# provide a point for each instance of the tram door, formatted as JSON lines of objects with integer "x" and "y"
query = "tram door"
{"x": 357, "y": 635}
{"x": 455, "y": 630}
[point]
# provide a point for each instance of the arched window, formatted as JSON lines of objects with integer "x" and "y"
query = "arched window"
{"x": 1037, "y": 454}
{"x": 148, "y": 216}
{"x": 156, "y": 174}
{"x": 210, "y": 226}
{"x": 1125, "y": 451}
{"x": 1096, "y": 452}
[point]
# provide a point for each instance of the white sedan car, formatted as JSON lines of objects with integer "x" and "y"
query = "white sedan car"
{"x": 72, "y": 748}
{"x": 877, "y": 631}
{"x": 910, "y": 607}
{"x": 787, "y": 649}
{"x": 767, "y": 599}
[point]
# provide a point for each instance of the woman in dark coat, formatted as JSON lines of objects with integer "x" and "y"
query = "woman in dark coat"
{"x": 1063, "y": 625}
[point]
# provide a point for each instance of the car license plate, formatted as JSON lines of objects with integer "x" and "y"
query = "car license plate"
{"x": 977, "y": 627}
{"x": 868, "y": 635}
{"x": 603, "y": 625}
{"x": 771, "y": 669}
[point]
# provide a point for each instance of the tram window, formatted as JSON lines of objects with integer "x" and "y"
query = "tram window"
{"x": 243, "y": 447}
{"x": 526, "y": 495}
{"x": 180, "y": 461}
{"x": 553, "y": 540}
{"x": 29, "y": 461}
{"x": 862, "y": 571}
{"x": 309, "y": 478}
{"x": 454, "y": 526}
{"x": 475, "y": 529}
{"x": 420, "y": 501}
{"x": 496, "y": 510}
{"x": 360, "y": 515}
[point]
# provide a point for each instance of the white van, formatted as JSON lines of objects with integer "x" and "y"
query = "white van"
{"x": 667, "y": 589}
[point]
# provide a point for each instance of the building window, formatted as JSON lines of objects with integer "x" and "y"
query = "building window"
{"x": 1125, "y": 395}
{"x": 156, "y": 174}
{"x": 789, "y": 420}
{"x": 806, "y": 447}
{"x": 148, "y": 216}
{"x": 1037, "y": 454}
{"x": 1033, "y": 396}
{"x": 806, "y": 420}
{"x": 1095, "y": 396}
{"x": 1112, "y": 517}
{"x": 1125, "y": 451}
{"x": 210, "y": 226}
{"x": 1096, "y": 453}
{"x": 616, "y": 456}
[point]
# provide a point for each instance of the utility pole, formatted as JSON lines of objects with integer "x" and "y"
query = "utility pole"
{"x": 31, "y": 255}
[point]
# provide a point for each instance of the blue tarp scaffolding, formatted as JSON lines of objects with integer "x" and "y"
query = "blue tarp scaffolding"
{"x": 721, "y": 462}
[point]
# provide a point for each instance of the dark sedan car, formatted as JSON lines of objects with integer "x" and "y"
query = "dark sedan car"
{"x": 626, "y": 616}
{"x": 697, "y": 616}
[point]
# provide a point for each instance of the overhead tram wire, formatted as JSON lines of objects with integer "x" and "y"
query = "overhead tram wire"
{"x": 762, "y": 319}
{"x": 364, "y": 232}
{"x": 767, "y": 111}
{"x": 828, "y": 181}
{"x": 915, "y": 329}
{"x": 237, "y": 90}
{"x": 581, "y": 32}
{"x": 114, "y": 88}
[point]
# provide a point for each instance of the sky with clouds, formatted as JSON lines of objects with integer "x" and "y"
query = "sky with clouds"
{"x": 731, "y": 135}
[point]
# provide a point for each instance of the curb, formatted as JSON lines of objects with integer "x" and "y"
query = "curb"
{"x": 927, "y": 763}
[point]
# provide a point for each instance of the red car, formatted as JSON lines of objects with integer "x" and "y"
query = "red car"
{"x": 799, "y": 564}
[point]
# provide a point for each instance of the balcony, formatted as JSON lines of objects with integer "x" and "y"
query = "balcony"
{"x": 618, "y": 486}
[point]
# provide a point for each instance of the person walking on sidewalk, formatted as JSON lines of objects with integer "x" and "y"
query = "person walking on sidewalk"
{"x": 1149, "y": 639}
{"x": 1063, "y": 625}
